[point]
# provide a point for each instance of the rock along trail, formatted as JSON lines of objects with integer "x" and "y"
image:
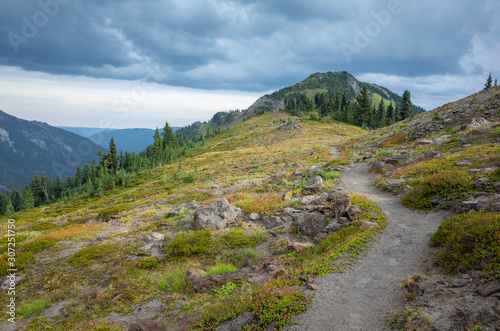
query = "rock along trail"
{"x": 361, "y": 297}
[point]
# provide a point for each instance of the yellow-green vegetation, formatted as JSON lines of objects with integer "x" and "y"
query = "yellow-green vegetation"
{"x": 470, "y": 240}
{"x": 410, "y": 319}
{"x": 34, "y": 307}
{"x": 221, "y": 268}
{"x": 59, "y": 256}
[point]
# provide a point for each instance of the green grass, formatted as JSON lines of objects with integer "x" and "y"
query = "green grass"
{"x": 237, "y": 237}
{"x": 469, "y": 239}
{"x": 173, "y": 281}
{"x": 34, "y": 307}
{"x": 243, "y": 257}
{"x": 221, "y": 268}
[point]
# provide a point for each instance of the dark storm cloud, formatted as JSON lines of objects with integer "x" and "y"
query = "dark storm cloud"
{"x": 245, "y": 45}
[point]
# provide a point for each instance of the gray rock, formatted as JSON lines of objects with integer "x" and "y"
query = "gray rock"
{"x": 423, "y": 142}
{"x": 335, "y": 226}
{"x": 344, "y": 220}
{"x": 174, "y": 211}
{"x": 237, "y": 324}
{"x": 392, "y": 184}
{"x": 377, "y": 166}
{"x": 155, "y": 236}
{"x": 315, "y": 188}
{"x": 478, "y": 122}
{"x": 315, "y": 180}
{"x": 464, "y": 141}
{"x": 255, "y": 217}
{"x": 340, "y": 205}
{"x": 271, "y": 222}
{"x": 213, "y": 282}
{"x": 313, "y": 170}
{"x": 496, "y": 186}
{"x": 456, "y": 150}
{"x": 319, "y": 238}
{"x": 217, "y": 215}
{"x": 392, "y": 160}
{"x": 285, "y": 197}
{"x": 495, "y": 207}
{"x": 9, "y": 282}
{"x": 310, "y": 223}
{"x": 431, "y": 154}
{"x": 299, "y": 247}
{"x": 192, "y": 274}
{"x": 467, "y": 205}
{"x": 437, "y": 200}
{"x": 481, "y": 182}
{"x": 365, "y": 225}
{"x": 340, "y": 168}
{"x": 489, "y": 289}
{"x": 464, "y": 163}
{"x": 155, "y": 326}
{"x": 354, "y": 212}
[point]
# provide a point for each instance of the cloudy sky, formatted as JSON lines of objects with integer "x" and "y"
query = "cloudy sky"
{"x": 124, "y": 63}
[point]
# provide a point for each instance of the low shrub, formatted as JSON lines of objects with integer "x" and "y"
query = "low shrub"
{"x": 394, "y": 140}
{"x": 243, "y": 257}
{"x": 148, "y": 263}
{"x": 88, "y": 255}
{"x": 470, "y": 240}
{"x": 193, "y": 243}
{"x": 237, "y": 237}
{"x": 42, "y": 226}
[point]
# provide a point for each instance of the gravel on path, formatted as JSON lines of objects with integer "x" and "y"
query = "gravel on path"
{"x": 362, "y": 297}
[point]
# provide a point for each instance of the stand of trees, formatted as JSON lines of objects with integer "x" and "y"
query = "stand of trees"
{"x": 114, "y": 169}
{"x": 363, "y": 111}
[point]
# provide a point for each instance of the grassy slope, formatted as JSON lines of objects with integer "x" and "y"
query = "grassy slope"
{"x": 60, "y": 266}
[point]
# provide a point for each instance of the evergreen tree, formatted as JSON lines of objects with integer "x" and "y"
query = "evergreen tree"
{"x": 78, "y": 179}
{"x": 58, "y": 186}
{"x": 36, "y": 188}
{"x": 390, "y": 112}
{"x": 362, "y": 108}
{"x": 157, "y": 149}
{"x": 406, "y": 107}
{"x": 28, "y": 200}
{"x": 496, "y": 82}
{"x": 487, "y": 85}
{"x": 169, "y": 138}
{"x": 16, "y": 198}
{"x": 381, "y": 114}
{"x": 113, "y": 155}
{"x": 9, "y": 210}
{"x": 4, "y": 202}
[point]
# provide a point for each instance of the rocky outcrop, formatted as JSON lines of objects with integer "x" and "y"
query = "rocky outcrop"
{"x": 237, "y": 324}
{"x": 156, "y": 326}
{"x": 310, "y": 223}
{"x": 341, "y": 205}
{"x": 217, "y": 215}
{"x": 192, "y": 274}
{"x": 212, "y": 282}
{"x": 271, "y": 222}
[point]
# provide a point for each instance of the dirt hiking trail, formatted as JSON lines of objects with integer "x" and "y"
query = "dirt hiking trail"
{"x": 361, "y": 297}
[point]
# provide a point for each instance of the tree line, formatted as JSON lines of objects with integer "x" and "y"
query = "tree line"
{"x": 364, "y": 111}
{"x": 113, "y": 169}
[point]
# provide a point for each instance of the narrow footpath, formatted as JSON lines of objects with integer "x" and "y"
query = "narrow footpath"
{"x": 361, "y": 297}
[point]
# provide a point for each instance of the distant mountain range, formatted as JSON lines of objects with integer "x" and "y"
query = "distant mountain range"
{"x": 130, "y": 140}
{"x": 29, "y": 147}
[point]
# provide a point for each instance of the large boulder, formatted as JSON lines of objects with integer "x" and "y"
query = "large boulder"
{"x": 341, "y": 205}
{"x": 314, "y": 185}
{"x": 212, "y": 282}
{"x": 354, "y": 212}
{"x": 271, "y": 222}
{"x": 310, "y": 223}
{"x": 217, "y": 215}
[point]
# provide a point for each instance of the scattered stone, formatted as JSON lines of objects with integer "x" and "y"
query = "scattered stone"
{"x": 377, "y": 166}
{"x": 237, "y": 324}
{"x": 217, "y": 215}
{"x": 310, "y": 223}
{"x": 437, "y": 200}
{"x": 497, "y": 186}
{"x": 212, "y": 282}
{"x": 392, "y": 160}
{"x": 315, "y": 180}
{"x": 319, "y": 238}
{"x": 405, "y": 189}
{"x": 457, "y": 283}
{"x": 271, "y": 222}
{"x": 495, "y": 207}
{"x": 475, "y": 171}
{"x": 192, "y": 274}
{"x": 273, "y": 233}
{"x": 464, "y": 142}
{"x": 340, "y": 205}
{"x": 285, "y": 197}
{"x": 313, "y": 170}
{"x": 297, "y": 173}
{"x": 334, "y": 226}
{"x": 155, "y": 326}
{"x": 272, "y": 268}
{"x": 467, "y": 205}
{"x": 354, "y": 212}
{"x": 174, "y": 211}
{"x": 155, "y": 236}
{"x": 315, "y": 188}
{"x": 481, "y": 182}
{"x": 8, "y": 282}
{"x": 255, "y": 217}
{"x": 478, "y": 122}
{"x": 456, "y": 150}
{"x": 365, "y": 225}
{"x": 299, "y": 247}
{"x": 464, "y": 163}
{"x": 340, "y": 168}
{"x": 489, "y": 289}
{"x": 423, "y": 142}
{"x": 432, "y": 155}
{"x": 392, "y": 184}
{"x": 312, "y": 287}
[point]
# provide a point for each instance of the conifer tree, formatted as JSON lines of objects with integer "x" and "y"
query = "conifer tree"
{"x": 381, "y": 113}
{"x": 113, "y": 155}
{"x": 487, "y": 85}
{"x": 9, "y": 210}
{"x": 28, "y": 200}
{"x": 16, "y": 198}
{"x": 169, "y": 138}
{"x": 362, "y": 108}
{"x": 406, "y": 108}
{"x": 390, "y": 112}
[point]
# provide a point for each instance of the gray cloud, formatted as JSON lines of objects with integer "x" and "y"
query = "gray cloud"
{"x": 251, "y": 45}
